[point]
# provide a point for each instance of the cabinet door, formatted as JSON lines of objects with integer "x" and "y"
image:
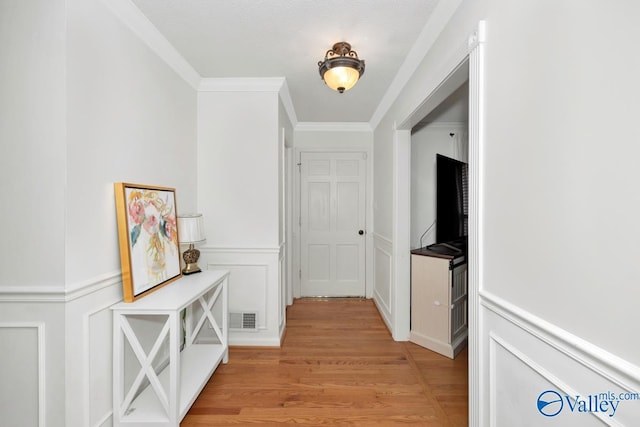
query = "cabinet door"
{"x": 430, "y": 284}
{"x": 458, "y": 302}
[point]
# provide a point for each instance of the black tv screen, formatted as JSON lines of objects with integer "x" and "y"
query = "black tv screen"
{"x": 451, "y": 200}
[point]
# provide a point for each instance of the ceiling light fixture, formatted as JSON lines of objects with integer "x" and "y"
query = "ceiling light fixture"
{"x": 341, "y": 67}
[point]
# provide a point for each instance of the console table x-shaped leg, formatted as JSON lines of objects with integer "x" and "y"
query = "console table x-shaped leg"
{"x": 165, "y": 387}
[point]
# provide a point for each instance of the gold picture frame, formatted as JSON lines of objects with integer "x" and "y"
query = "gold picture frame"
{"x": 148, "y": 238}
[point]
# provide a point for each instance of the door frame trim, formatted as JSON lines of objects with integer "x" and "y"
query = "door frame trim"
{"x": 471, "y": 56}
{"x": 297, "y": 187}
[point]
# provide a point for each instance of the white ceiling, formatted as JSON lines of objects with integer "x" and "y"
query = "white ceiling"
{"x": 287, "y": 38}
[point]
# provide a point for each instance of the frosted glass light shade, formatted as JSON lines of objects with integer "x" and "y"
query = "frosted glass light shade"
{"x": 341, "y": 77}
{"x": 191, "y": 228}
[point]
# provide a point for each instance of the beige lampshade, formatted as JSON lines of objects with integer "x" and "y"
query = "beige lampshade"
{"x": 191, "y": 228}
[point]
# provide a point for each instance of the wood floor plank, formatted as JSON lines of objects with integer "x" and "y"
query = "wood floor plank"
{"x": 338, "y": 366}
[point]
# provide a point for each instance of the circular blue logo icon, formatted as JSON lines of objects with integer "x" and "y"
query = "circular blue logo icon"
{"x": 550, "y": 403}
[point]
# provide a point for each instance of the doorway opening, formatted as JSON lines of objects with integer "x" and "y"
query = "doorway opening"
{"x": 469, "y": 67}
{"x": 438, "y": 226}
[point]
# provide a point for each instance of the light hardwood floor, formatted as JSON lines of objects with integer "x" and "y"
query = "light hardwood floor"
{"x": 338, "y": 366}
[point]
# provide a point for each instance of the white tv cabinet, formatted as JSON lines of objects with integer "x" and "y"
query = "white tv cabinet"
{"x": 162, "y": 399}
{"x": 439, "y": 301}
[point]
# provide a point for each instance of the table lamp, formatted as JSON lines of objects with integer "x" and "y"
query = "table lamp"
{"x": 191, "y": 231}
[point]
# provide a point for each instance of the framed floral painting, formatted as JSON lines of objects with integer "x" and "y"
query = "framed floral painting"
{"x": 148, "y": 237}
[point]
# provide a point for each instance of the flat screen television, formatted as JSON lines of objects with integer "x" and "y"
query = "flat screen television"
{"x": 451, "y": 201}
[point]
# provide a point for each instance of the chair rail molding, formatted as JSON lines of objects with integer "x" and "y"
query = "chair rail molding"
{"x": 621, "y": 372}
{"x": 60, "y": 293}
{"x": 527, "y": 356}
{"x": 240, "y": 250}
{"x": 18, "y": 294}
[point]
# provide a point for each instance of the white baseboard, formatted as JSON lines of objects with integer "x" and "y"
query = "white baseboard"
{"x": 383, "y": 310}
{"x": 449, "y": 350}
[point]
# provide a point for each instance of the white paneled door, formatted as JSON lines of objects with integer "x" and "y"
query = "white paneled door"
{"x": 332, "y": 223}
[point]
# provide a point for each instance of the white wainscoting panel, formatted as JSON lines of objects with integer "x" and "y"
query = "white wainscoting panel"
{"x": 22, "y": 366}
{"x": 98, "y": 367}
{"x": 89, "y": 351}
{"x": 32, "y": 352}
{"x": 509, "y": 406}
{"x": 254, "y": 285}
{"x": 383, "y": 277}
{"x": 527, "y": 359}
{"x": 248, "y": 290}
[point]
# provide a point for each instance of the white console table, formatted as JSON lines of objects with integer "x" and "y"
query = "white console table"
{"x": 162, "y": 399}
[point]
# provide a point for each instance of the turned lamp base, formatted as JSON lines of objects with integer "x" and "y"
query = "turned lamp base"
{"x": 190, "y": 257}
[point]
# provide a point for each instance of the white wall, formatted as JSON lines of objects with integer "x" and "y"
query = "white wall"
{"x": 131, "y": 119}
{"x": 338, "y": 136}
{"x": 570, "y": 182}
{"x": 567, "y": 170}
{"x": 286, "y": 122}
{"x": 238, "y": 173}
{"x": 558, "y": 187}
{"x": 89, "y": 105}
{"x": 239, "y": 141}
{"x": 392, "y": 161}
{"x": 32, "y": 136}
{"x": 32, "y": 186}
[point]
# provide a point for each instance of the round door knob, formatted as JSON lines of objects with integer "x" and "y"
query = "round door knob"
{"x": 361, "y": 232}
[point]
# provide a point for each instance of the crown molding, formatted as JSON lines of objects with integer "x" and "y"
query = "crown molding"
{"x": 140, "y": 25}
{"x": 333, "y": 127}
{"x": 253, "y": 84}
{"x": 241, "y": 84}
{"x": 287, "y": 102}
{"x": 437, "y": 22}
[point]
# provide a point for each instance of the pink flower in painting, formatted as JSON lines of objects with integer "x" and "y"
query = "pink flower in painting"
{"x": 151, "y": 224}
{"x": 136, "y": 211}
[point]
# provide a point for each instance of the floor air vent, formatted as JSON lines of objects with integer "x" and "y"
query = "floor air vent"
{"x": 243, "y": 321}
